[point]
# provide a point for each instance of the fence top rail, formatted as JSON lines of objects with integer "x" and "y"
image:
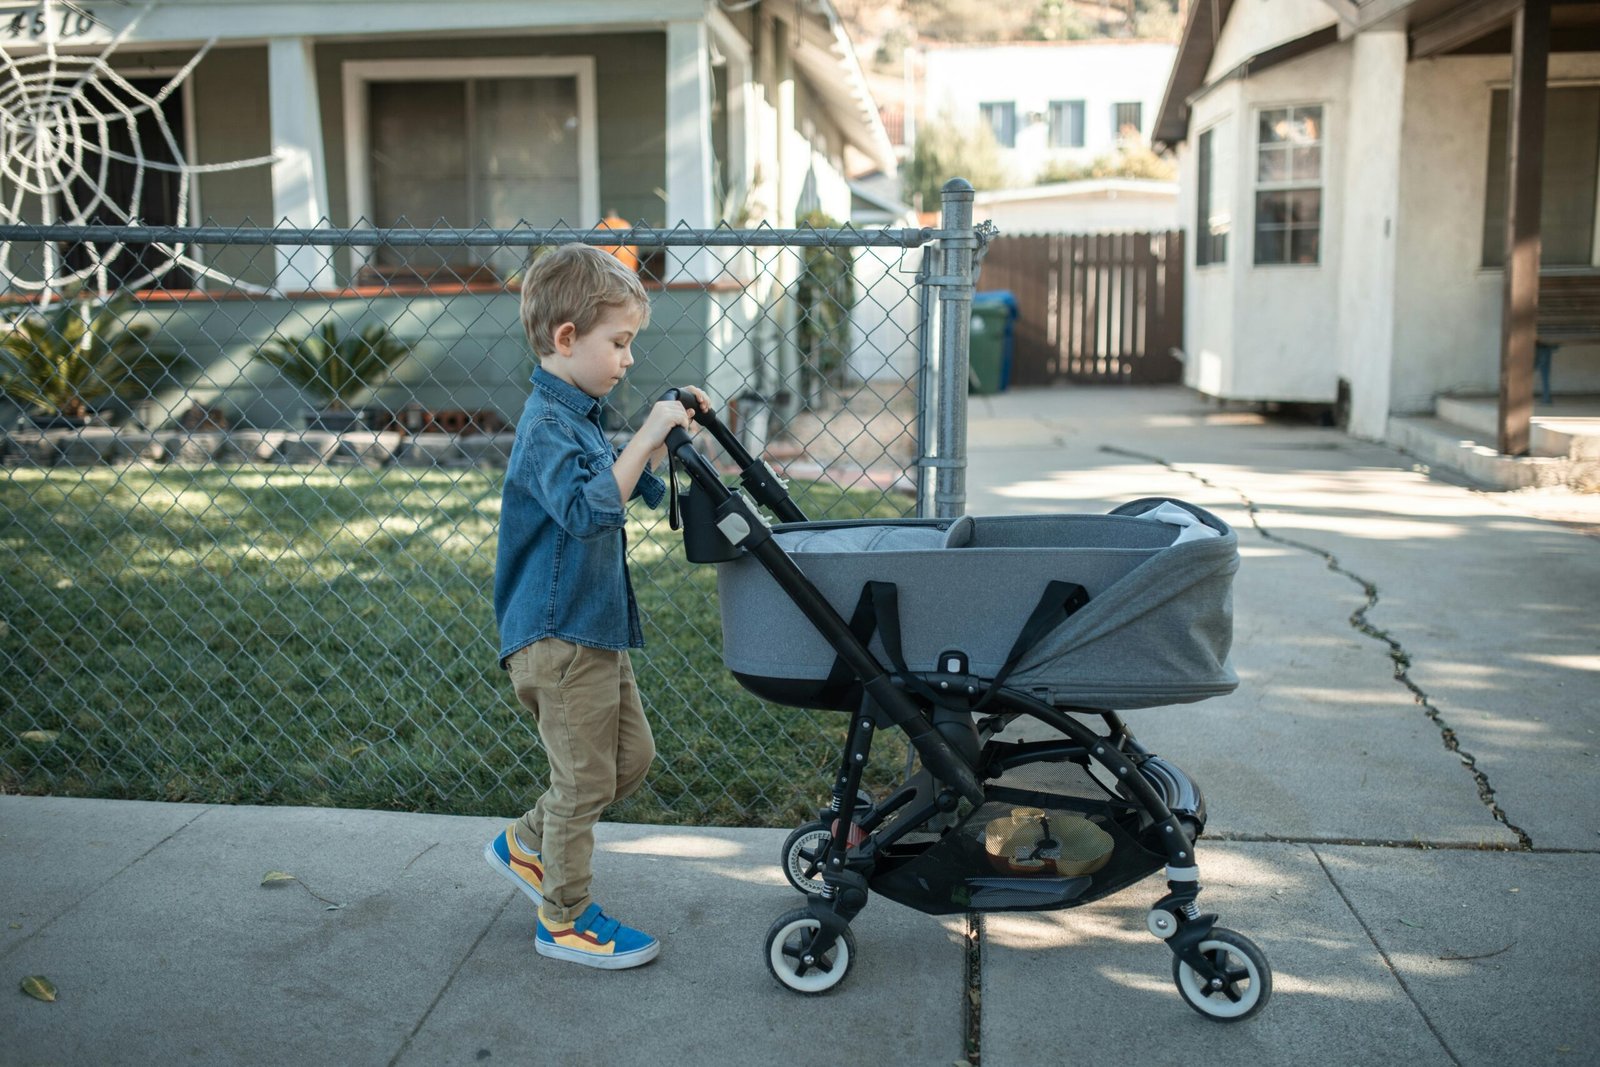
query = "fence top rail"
{"x": 521, "y": 236}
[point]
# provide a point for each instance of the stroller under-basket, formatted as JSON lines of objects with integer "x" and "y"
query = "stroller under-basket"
{"x": 957, "y": 631}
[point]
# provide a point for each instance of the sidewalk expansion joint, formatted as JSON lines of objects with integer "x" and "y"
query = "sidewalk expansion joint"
{"x": 1387, "y": 962}
{"x": 972, "y": 990}
{"x": 1358, "y": 620}
{"x": 118, "y": 873}
{"x": 405, "y": 1045}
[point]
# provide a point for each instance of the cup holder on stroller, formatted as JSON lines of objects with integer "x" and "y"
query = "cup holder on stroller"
{"x": 1019, "y": 851}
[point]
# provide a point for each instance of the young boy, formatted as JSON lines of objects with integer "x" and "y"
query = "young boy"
{"x": 562, "y": 597}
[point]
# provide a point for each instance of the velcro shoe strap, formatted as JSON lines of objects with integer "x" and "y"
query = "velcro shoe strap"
{"x": 594, "y": 921}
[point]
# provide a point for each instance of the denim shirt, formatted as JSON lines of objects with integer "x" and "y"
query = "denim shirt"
{"x": 561, "y": 569}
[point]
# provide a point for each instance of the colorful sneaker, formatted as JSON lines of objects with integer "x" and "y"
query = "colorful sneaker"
{"x": 595, "y": 941}
{"x": 525, "y": 869}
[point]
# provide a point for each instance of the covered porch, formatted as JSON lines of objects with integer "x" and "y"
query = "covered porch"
{"x": 1545, "y": 301}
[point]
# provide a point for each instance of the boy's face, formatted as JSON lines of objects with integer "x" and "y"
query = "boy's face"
{"x": 596, "y": 361}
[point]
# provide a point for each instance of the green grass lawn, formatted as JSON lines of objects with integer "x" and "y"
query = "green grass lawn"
{"x": 325, "y": 635}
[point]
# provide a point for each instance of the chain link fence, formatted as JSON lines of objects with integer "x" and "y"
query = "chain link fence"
{"x": 249, "y": 514}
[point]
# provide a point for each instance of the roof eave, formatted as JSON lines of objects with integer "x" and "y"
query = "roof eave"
{"x": 839, "y": 80}
{"x": 1195, "y": 50}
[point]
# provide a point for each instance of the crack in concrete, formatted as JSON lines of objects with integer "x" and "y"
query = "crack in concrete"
{"x": 1359, "y": 621}
{"x": 972, "y": 991}
{"x": 1415, "y": 844}
{"x": 1387, "y": 962}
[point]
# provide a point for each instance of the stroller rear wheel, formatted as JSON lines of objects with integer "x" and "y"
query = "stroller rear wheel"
{"x": 789, "y": 955}
{"x": 802, "y": 856}
{"x": 1246, "y": 980}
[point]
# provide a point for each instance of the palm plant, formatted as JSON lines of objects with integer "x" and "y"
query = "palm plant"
{"x": 332, "y": 368}
{"x": 72, "y": 360}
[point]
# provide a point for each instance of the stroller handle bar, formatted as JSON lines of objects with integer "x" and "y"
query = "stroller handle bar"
{"x": 754, "y": 473}
{"x": 744, "y": 527}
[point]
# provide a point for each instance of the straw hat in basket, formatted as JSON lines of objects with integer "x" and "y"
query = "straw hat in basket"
{"x": 1032, "y": 841}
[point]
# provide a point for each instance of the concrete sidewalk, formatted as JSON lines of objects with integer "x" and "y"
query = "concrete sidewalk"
{"x": 1415, "y": 855}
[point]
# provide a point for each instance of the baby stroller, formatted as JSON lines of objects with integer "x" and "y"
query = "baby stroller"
{"x": 959, "y": 631}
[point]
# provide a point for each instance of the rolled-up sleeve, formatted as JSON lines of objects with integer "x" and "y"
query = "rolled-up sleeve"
{"x": 580, "y": 494}
{"x": 649, "y": 488}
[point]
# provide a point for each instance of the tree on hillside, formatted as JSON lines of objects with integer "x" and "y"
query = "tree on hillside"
{"x": 970, "y": 20}
{"x": 947, "y": 149}
{"x": 1135, "y": 161}
{"x": 887, "y": 26}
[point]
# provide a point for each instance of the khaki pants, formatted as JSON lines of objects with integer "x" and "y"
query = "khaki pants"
{"x": 599, "y": 746}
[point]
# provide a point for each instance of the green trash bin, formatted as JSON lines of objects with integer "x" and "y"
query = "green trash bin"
{"x": 989, "y": 342}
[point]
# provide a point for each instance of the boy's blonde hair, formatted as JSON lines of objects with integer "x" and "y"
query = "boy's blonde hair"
{"x": 576, "y": 283}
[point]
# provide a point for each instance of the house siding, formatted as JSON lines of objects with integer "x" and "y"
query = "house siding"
{"x": 630, "y": 85}
{"x": 1256, "y": 25}
{"x": 1268, "y": 332}
{"x": 232, "y": 122}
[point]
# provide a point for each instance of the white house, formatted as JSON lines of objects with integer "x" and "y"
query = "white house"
{"x": 1048, "y": 102}
{"x": 1346, "y": 171}
{"x": 1096, "y": 205}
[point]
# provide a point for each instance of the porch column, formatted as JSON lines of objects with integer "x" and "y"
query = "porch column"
{"x": 299, "y": 176}
{"x": 783, "y": 54}
{"x": 1366, "y": 327}
{"x": 1530, "y": 64}
{"x": 688, "y": 138}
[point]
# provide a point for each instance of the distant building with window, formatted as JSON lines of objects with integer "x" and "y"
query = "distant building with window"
{"x": 1048, "y": 103}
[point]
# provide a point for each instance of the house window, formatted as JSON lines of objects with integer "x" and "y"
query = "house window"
{"x": 1571, "y": 160}
{"x": 105, "y": 182}
{"x": 470, "y": 143}
{"x": 1127, "y": 121}
{"x": 1001, "y": 118}
{"x": 1289, "y": 186}
{"x": 1066, "y": 124}
{"x": 1211, "y": 225}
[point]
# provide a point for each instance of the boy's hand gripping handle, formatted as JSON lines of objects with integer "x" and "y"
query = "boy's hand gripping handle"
{"x": 756, "y": 476}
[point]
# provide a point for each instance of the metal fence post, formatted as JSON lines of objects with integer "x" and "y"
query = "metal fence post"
{"x": 955, "y": 284}
{"x": 927, "y": 388}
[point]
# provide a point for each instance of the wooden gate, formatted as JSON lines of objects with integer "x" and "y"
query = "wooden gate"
{"x": 1092, "y": 307}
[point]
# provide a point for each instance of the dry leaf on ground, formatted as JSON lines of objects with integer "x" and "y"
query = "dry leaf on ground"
{"x": 39, "y": 987}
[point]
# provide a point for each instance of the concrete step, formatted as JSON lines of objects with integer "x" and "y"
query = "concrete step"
{"x": 1470, "y": 453}
{"x": 1568, "y": 428}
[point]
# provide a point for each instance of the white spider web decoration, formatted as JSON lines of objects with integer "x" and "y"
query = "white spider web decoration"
{"x": 58, "y": 115}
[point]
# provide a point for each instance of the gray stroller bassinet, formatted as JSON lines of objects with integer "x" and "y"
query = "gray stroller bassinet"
{"x": 1155, "y": 630}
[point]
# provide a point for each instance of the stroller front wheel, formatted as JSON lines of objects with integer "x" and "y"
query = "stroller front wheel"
{"x": 1246, "y": 980}
{"x": 802, "y": 856}
{"x": 792, "y": 962}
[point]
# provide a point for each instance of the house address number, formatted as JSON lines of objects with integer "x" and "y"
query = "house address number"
{"x": 68, "y": 21}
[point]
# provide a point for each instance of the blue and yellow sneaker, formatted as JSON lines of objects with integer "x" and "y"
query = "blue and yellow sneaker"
{"x": 525, "y": 869}
{"x": 594, "y": 940}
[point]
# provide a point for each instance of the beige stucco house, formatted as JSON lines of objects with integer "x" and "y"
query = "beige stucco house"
{"x": 1345, "y": 167}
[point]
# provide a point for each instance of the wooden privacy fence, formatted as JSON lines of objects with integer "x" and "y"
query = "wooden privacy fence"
{"x": 1092, "y": 307}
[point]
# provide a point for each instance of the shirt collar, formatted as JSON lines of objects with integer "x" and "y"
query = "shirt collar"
{"x": 570, "y": 395}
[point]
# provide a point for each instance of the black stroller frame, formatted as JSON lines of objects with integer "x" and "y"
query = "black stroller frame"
{"x": 952, "y": 718}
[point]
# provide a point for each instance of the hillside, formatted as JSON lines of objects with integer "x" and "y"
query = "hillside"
{"x": 883, "y": 29}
